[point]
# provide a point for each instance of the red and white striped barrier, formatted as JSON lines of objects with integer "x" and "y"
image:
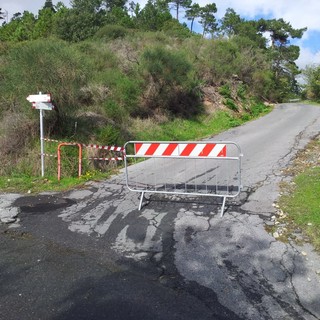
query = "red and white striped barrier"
{"x": 194, "y": 168}
{"x": 106, "y": 159}
{"x": 95, "y": 146}
{"x": 181, "y": 149}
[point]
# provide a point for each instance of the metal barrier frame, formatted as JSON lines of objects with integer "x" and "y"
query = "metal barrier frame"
{"x": 224, "y": 158}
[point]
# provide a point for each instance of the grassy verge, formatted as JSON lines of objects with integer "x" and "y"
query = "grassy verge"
{"x": 31, "y": 184}
{"x": 190, "y": 129}
{"x": 301, "y": 198}
{"x": 147, "y": 129}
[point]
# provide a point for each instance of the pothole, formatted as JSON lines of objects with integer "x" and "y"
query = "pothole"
{"x": 42, "y": 203}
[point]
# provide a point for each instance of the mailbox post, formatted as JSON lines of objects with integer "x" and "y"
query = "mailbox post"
{"x": 42, "y": 102}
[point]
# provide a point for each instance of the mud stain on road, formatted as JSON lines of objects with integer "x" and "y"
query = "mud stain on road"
{"x": 42, "y": 203}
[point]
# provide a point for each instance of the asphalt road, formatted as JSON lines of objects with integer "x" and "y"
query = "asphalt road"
{"x": 90, "y": 254}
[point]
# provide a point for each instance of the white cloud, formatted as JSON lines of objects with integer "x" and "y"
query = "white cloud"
{"x": 307, "y": 57}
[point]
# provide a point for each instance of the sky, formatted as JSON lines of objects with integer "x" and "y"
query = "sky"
{"x": 299, "y": 13}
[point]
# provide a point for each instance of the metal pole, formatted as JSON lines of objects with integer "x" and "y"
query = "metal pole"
{"x": 42, "y": 142}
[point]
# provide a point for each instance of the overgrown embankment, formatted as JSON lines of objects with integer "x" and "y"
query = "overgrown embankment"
{"x": 136, "y": 86}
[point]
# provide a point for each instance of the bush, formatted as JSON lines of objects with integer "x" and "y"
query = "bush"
{"x": 111, "y": 32}
{"x": 263, "y": 85}
{"x": 169, "y": 84}
{"x": 242, "y": 91}
{"x": 231, "y": 104}
{"x": 258, "y": 108}
{"x": 110, "y": 135}
{"x": 221, "y": 60}
{"x": 75, "y": 26}
{"x": 17, "y": 134}
{"x": 225, "y": 91}
{"x": 174, "y": 28}
{"x": 123, "y": 94}
{"x": 165, "y": 67}
{"x": 17, "y": 131}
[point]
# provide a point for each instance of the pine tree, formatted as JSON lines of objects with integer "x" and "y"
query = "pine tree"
{"x": 48, "y": 5}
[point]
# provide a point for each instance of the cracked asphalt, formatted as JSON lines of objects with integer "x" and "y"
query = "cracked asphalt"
{"x": 91, "y": 254}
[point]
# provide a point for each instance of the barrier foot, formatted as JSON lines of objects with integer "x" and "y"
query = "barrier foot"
{"x": 223, "y": 205}
{"x": 141, "y": 199}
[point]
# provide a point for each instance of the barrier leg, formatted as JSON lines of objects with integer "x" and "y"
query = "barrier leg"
{"x": 223, "y": 205}
{"x": 141, "y": 199}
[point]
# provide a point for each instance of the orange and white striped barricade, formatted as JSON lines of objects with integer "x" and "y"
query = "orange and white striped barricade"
{"x": 201, "y": 168}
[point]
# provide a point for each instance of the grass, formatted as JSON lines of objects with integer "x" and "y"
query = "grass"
{"x": 303, "y": 204}
{"x": 189, "y": 129}
{"x": 301, "y": 199}
{"x": 32, "y": 184}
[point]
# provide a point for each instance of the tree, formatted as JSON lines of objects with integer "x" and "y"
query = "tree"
{"x": 44, "y": 24}
{"x": 80, "y": 22}
{"x": 230, "y": 23}
{"x": 109, "y": 5}
{"x": 153, "y": 16}
{"x": 134, "y": 8}
{"x": 250, "y": 29}
{"x": 312, "y": 77}
{"x": 208, "y": 20}
{"x": 192, "y": 13}
{"x": 20, "y": 28}
{"x": 74, "y": 27}
{"x": 48, "y": 5}
{"x": 118, "y": 16}
{"x": 280, "y": 31}
{"x": 283, "y": 54}
{"x": 177, "y": 4}
{"x": 88, "y": 6}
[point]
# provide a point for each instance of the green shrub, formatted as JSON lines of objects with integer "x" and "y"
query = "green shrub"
{"x": 231, "y": 104}
{"x": 174, "y": 28}
{"x": 263, "y": 85}
{"x": 166, "y": 68}
{"x": 110, "y": 135}
{"x": 113, "y": 111}
{"x": 169, "y": 82}
{"x": 234, "y": 122}
{"x": 221, "y": 59}
{"x": 245, "y": 117}
{"x": 225, "y": 91}
{"x": 111, "y": 32}
{"x": 123, "y": 91}
{"x": 258, "y": 108}
{"x": 77, "y": 25}
{"x": 242, "y": 91}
